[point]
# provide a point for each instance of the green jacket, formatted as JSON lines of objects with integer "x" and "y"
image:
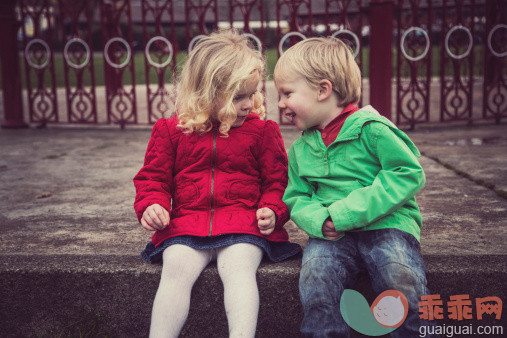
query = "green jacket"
{"x": 366, "y": 179}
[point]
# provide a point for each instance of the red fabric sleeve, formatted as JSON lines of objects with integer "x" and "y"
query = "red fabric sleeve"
{"x": 154, "y": 181}
{"x": 273, "y": 167}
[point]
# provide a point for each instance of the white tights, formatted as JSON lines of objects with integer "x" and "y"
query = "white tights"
{"x": 237, "y": 266}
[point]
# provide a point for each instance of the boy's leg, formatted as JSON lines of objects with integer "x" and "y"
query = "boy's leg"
{"x": 394, "y": 261}
{"x": 237, "y": 265}
{"x": 328, "y": 268}
{"x": 181, "y": 267}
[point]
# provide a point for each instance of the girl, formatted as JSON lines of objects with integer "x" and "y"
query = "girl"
{"x": 212, "y": 184}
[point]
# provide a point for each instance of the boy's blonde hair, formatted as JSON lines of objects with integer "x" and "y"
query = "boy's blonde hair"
{"x": 316, "y": 59}
{"x": 215, "y": 71}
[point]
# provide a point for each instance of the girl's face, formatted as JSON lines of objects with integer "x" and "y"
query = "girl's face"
{"x": 244, "y": 99}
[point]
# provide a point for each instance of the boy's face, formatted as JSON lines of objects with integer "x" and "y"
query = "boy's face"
{"x": 299, "y": 102}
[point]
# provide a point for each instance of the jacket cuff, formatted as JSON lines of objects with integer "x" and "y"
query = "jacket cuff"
{"x": 341, "y": 217}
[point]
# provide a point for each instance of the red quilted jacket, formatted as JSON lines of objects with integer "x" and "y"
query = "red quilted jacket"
{"x": 212, "y": 184}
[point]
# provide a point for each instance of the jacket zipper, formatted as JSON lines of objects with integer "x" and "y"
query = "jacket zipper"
{"x": 213, "y": 177}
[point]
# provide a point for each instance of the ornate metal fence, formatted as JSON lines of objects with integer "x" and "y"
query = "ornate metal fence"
{"x": 447, "y": 61}
{"x": 460, "y": 33}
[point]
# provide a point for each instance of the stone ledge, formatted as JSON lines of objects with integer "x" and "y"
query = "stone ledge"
{"x": 41, "y": 295}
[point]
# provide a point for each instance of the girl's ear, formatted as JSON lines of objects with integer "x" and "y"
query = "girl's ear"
{"x": 325, "y": 89}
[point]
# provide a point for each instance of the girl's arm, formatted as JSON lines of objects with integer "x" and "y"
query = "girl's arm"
{"x": 154, "y": 181}
{"x": 273, "y": 169}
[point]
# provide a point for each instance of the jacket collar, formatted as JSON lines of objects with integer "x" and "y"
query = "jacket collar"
{"x": 352, "y": 129}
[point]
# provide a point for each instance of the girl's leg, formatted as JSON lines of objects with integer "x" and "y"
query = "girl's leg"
{"x": 237, "y": 266}
{"x": 181, "y": 267}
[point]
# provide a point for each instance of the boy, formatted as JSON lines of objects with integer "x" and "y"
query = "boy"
{"x": 353, "y": 177}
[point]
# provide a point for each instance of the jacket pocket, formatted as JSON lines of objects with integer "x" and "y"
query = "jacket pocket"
{"x": 247, "y": 193}
{"x": 186, "y": 193}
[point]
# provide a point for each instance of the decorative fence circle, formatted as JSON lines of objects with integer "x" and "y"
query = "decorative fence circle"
{"x": 106, "y": 55}
{"x": 490, "y": 36}
{"x": 447, "y": 37}
{"x": 27, "y": 52}
{"x": 352, "y": 34}
{"x": 148, "y": 56}
{"x": 66, "y": 53}
{"x": 426, "y": 47}
{"x": 282, "y": 40}
{"x": 256, "y": 39}
{"x": 193, "y": 41}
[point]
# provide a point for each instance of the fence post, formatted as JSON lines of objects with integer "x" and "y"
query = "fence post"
{"x": 380, "y": 59}
{"x": 11, "y": 74}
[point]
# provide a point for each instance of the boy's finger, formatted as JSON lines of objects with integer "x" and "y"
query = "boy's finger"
{"x": 329, "y": 236}
{"x": 333, "y": 235}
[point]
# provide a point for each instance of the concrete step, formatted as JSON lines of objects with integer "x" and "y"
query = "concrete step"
{"x": 50, "y": 296}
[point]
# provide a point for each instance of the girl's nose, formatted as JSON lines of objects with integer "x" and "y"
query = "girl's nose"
{"x": 248, "y": 104}
{"x": 281, "y": 104}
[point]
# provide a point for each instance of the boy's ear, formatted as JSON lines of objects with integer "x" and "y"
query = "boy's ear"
{"x": 325, "y": 89}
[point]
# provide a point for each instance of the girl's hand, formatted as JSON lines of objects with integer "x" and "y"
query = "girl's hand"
{"x": 266, "y": 220}
{"x": 329, "y": 231}
{"x": 155, "y": 217}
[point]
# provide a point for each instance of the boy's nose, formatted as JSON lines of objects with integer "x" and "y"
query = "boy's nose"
{"x": 281, "y": 104}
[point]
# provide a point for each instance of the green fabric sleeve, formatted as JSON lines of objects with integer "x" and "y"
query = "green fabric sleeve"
{"x": 307, "y": 213}
{"x": 400, "y": 178}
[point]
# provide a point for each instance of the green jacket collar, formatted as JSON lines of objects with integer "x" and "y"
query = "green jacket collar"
{"x": 352, "y": 129}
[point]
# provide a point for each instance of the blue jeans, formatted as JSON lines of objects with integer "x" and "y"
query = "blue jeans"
{"x": 390, "y": 256}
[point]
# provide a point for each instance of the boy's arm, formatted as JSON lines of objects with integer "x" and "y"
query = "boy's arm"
{"x": 400, "y": 178}
{"x": 153, "y": 181}
{"x": 273, "y": 170}
{"x": 306, "y": 212}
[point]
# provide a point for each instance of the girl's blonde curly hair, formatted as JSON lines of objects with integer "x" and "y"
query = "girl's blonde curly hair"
{"x": 215, "y": 71}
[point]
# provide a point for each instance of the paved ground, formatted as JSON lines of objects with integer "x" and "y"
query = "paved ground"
{"x": 70, "y": 190}
{"x": 66, "y": 211}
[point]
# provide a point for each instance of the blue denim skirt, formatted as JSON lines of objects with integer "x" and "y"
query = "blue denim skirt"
{"x": 275, "y": 251}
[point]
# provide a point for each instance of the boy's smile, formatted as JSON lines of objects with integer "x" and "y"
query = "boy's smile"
{"x": 296, "y": 101}
{"x": 303, "y": 104}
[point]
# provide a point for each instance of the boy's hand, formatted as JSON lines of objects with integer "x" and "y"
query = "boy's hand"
{"x": 329, "y": 231}
{"x": 155, "y": 217}
{"x": 266, "y": 220}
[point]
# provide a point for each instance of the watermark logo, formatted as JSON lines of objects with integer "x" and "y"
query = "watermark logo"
{"x": 459, "y": 307}
{"x": 387, "y": 312}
